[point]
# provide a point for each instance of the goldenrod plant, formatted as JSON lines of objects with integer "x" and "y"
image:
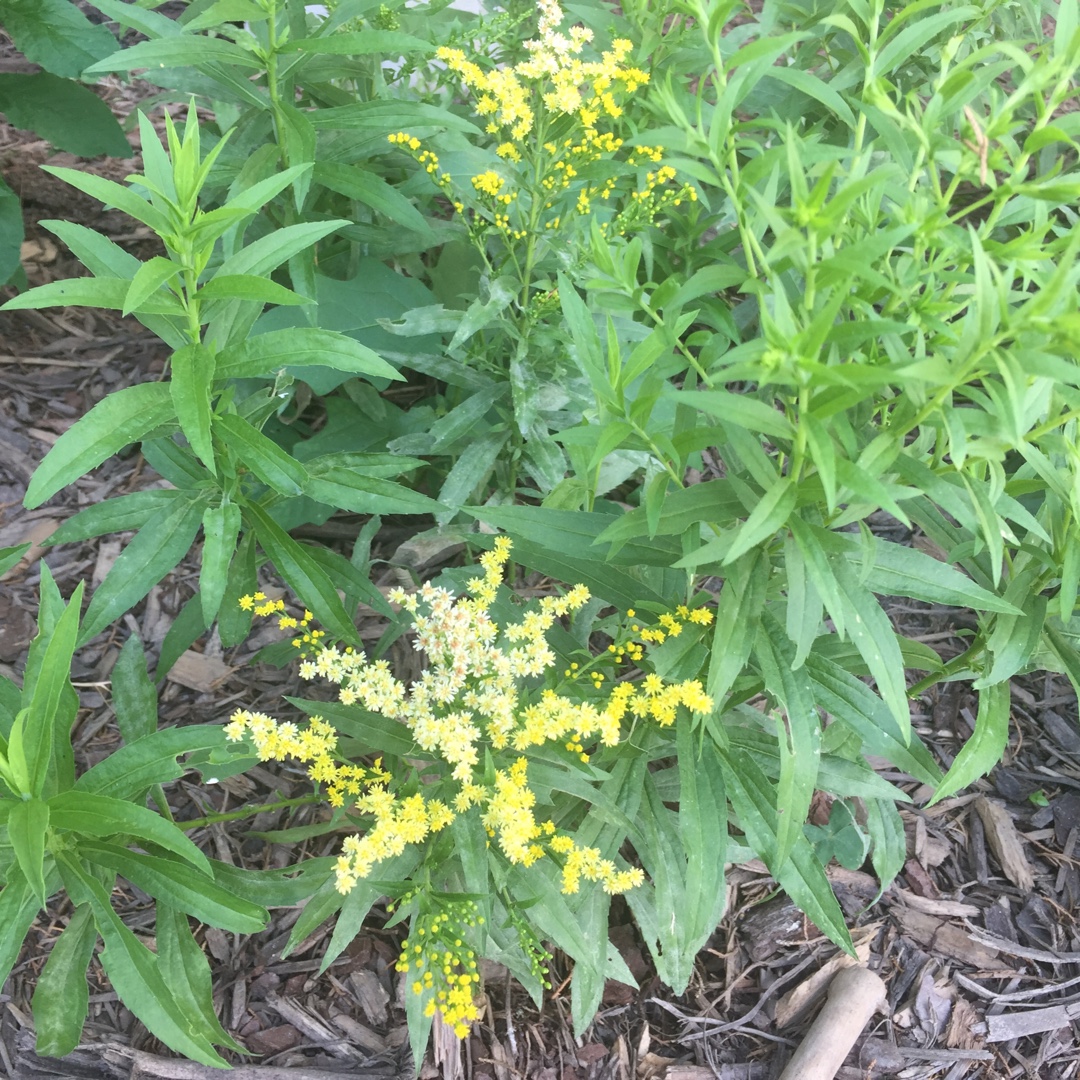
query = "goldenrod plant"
{"x": 742, "y": 328}
{"x": 495, "y": 718}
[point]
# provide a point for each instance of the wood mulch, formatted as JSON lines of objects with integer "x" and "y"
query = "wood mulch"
{"x": 977, "y": 940}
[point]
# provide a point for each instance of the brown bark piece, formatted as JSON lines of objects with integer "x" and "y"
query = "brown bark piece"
{"x": 1005, "y": 843}
{"x": 948, "y": 939}
{"x": 199, "y": 672}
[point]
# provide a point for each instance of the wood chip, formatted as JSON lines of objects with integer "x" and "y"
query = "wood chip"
{"x": 370, "y": 995}
{"x": 937, "y": 907}
{"x": 961, "y": 1035}
{"x": 1014, "y": 1025}
{"x": 312, "y": 1027}
{"x": 199, "y": 672}
{"x": 1005, "y": 843}
{"x": 946, "y": 938}
{"x": 751, "y": 1070}
{"x": 108, "y": 553}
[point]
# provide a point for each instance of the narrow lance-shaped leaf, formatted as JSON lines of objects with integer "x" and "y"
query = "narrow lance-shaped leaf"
{"x": 221, "y": 527}
{"x": 122, "y": 417}
{"x": 133, "y": 970}
{"x": 305, "y": 577}
{"x": 985, "y": 747}
{"x": 272, "y": 465}
{"x": 41, "y": 729}
{"x": 18, "y": 907}
{"x": 177, "y": 884}
{"x": 62, "y": 995}
{"x": 798, "y": 733}
{"x": 27, "y": 824}
{"x": 192, "y": 381}
{"x": 185, "y": 969}
{"x": 134, "y": 696}
{"x": 154, "y": 551}
{"x": 85, "y": 813}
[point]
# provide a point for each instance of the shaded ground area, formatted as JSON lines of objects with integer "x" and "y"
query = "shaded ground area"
{"x": 977, "y": 940}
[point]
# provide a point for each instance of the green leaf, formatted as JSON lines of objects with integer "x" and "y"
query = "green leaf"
{"x": 44, "y": 736}
{"x": 886, "y": 829}
{"x": 10, "y": 556}
{"x": 18, "y": 908}
{"x": 27, "y": 825}
{"x": 234, "y": 623}
{"x": 130, "y": 771}
{"x": 870, "y": 631}
{"x": 88, "y": 814}
{"x": 177, "y": 51}
{"x": 192, "y": 380}
{"x": 703, "y": 835}
{"x": 738, "y": 614}
{"x": 121, "y": 418}
{"x": 221, "y": 527}
{"x": 812, "y": 86}
{"x": 361, "y": 43}
{"x": 304, "y": 576}
{"x": 272, "y": 465}
{"x": 184, "y": 968}
{"x": 851, "y": 701}
{"x": 122, "y": 514}
{"x": 111, "y": 193}
{"x": 270, "y": 251}
{"x": 798, "y": 734}
{"x": 348, "y": 489}
{"x": 904, "y": 571}
{"x": 62, "y": 995}
{"x": 133, "y": 970}
{"x": 222, "y": 11}
{"x": 372, "y": 190}
{"x": 802, "y": 876}
{"x": 134, "y": 696}
{"x": 301, "y": 347}
{"x": 986, "y": 746}
{"x": 177, "y": 884}
{"x": 63, "y": 112}
{"x": 148, "y": 280}
{"x": 12, "y": 233}
{"x": 770, "y": 514}
{"x": 249, "y": 287}
{"x": 1015, "y": 637}
{"x": 154, "y": 550}
{"x": 738, "y": 409}
{"x": 911, "y": 39}
{"x": 56, "y": 35}
{"x": 96, "y": 292}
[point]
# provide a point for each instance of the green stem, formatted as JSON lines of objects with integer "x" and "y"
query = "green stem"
{"x": 249, "y": 811}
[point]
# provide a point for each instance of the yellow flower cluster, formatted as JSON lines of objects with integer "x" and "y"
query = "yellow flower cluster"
{"x": 671, "y": 624}
{"x": 469, "y": 699}
{"x": 586, "y": 862}
{"x": 443, "y": 966}
{"x": 315, "y": 745}
{"x": 258, "y": 604}
{"x": 567, "y": 84}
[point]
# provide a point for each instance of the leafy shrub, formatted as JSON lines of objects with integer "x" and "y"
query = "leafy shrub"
{"x": 75, "y": 834}
{"x": 855, "y": 304}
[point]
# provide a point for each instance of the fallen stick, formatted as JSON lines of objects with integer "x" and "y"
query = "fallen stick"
{"x": 855, "y": 994}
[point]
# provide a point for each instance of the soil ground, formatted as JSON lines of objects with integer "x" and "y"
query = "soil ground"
{"x": 977, "y": 940}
